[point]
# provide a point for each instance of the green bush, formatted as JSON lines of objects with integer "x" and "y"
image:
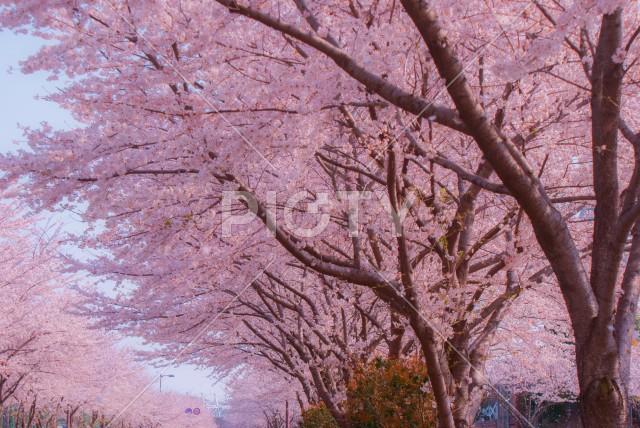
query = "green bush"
{"x": 318, "y": 417}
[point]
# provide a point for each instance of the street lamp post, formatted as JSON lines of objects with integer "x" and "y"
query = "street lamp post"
{"x": 164, "y": 375}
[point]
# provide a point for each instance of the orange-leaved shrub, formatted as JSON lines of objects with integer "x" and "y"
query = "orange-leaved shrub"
{"x": 390, "y": 393}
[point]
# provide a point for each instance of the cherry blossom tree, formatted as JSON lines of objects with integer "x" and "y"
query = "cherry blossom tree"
{"x": 311, "y": 334}
{"x": 26, "y": 274}
{"x": 511, "y": 127}
{"x": 257, "y": 394}
{"x": 52, "y": 363}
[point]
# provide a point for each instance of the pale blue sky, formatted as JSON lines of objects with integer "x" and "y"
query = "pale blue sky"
{"x": 18, "y": 92}
{"x": 18, "y": 105}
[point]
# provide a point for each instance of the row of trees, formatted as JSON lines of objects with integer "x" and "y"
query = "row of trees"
{"x": 53, "y": 365}
{"x": 443, "y": 175}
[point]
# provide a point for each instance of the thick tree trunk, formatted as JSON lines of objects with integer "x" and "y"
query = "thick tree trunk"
{"x": 454, "y": 393}
{"x": 604, "y": 396}
{"x": 454, "y": 381}
{"x": 464, "y": 384}
{"x": 459, "y": 388}
{"x": 438, "y": 376}
{"x": 461, "y": 408}
{"x": 397, "y": 333}
{"x": 601, "y": 366}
